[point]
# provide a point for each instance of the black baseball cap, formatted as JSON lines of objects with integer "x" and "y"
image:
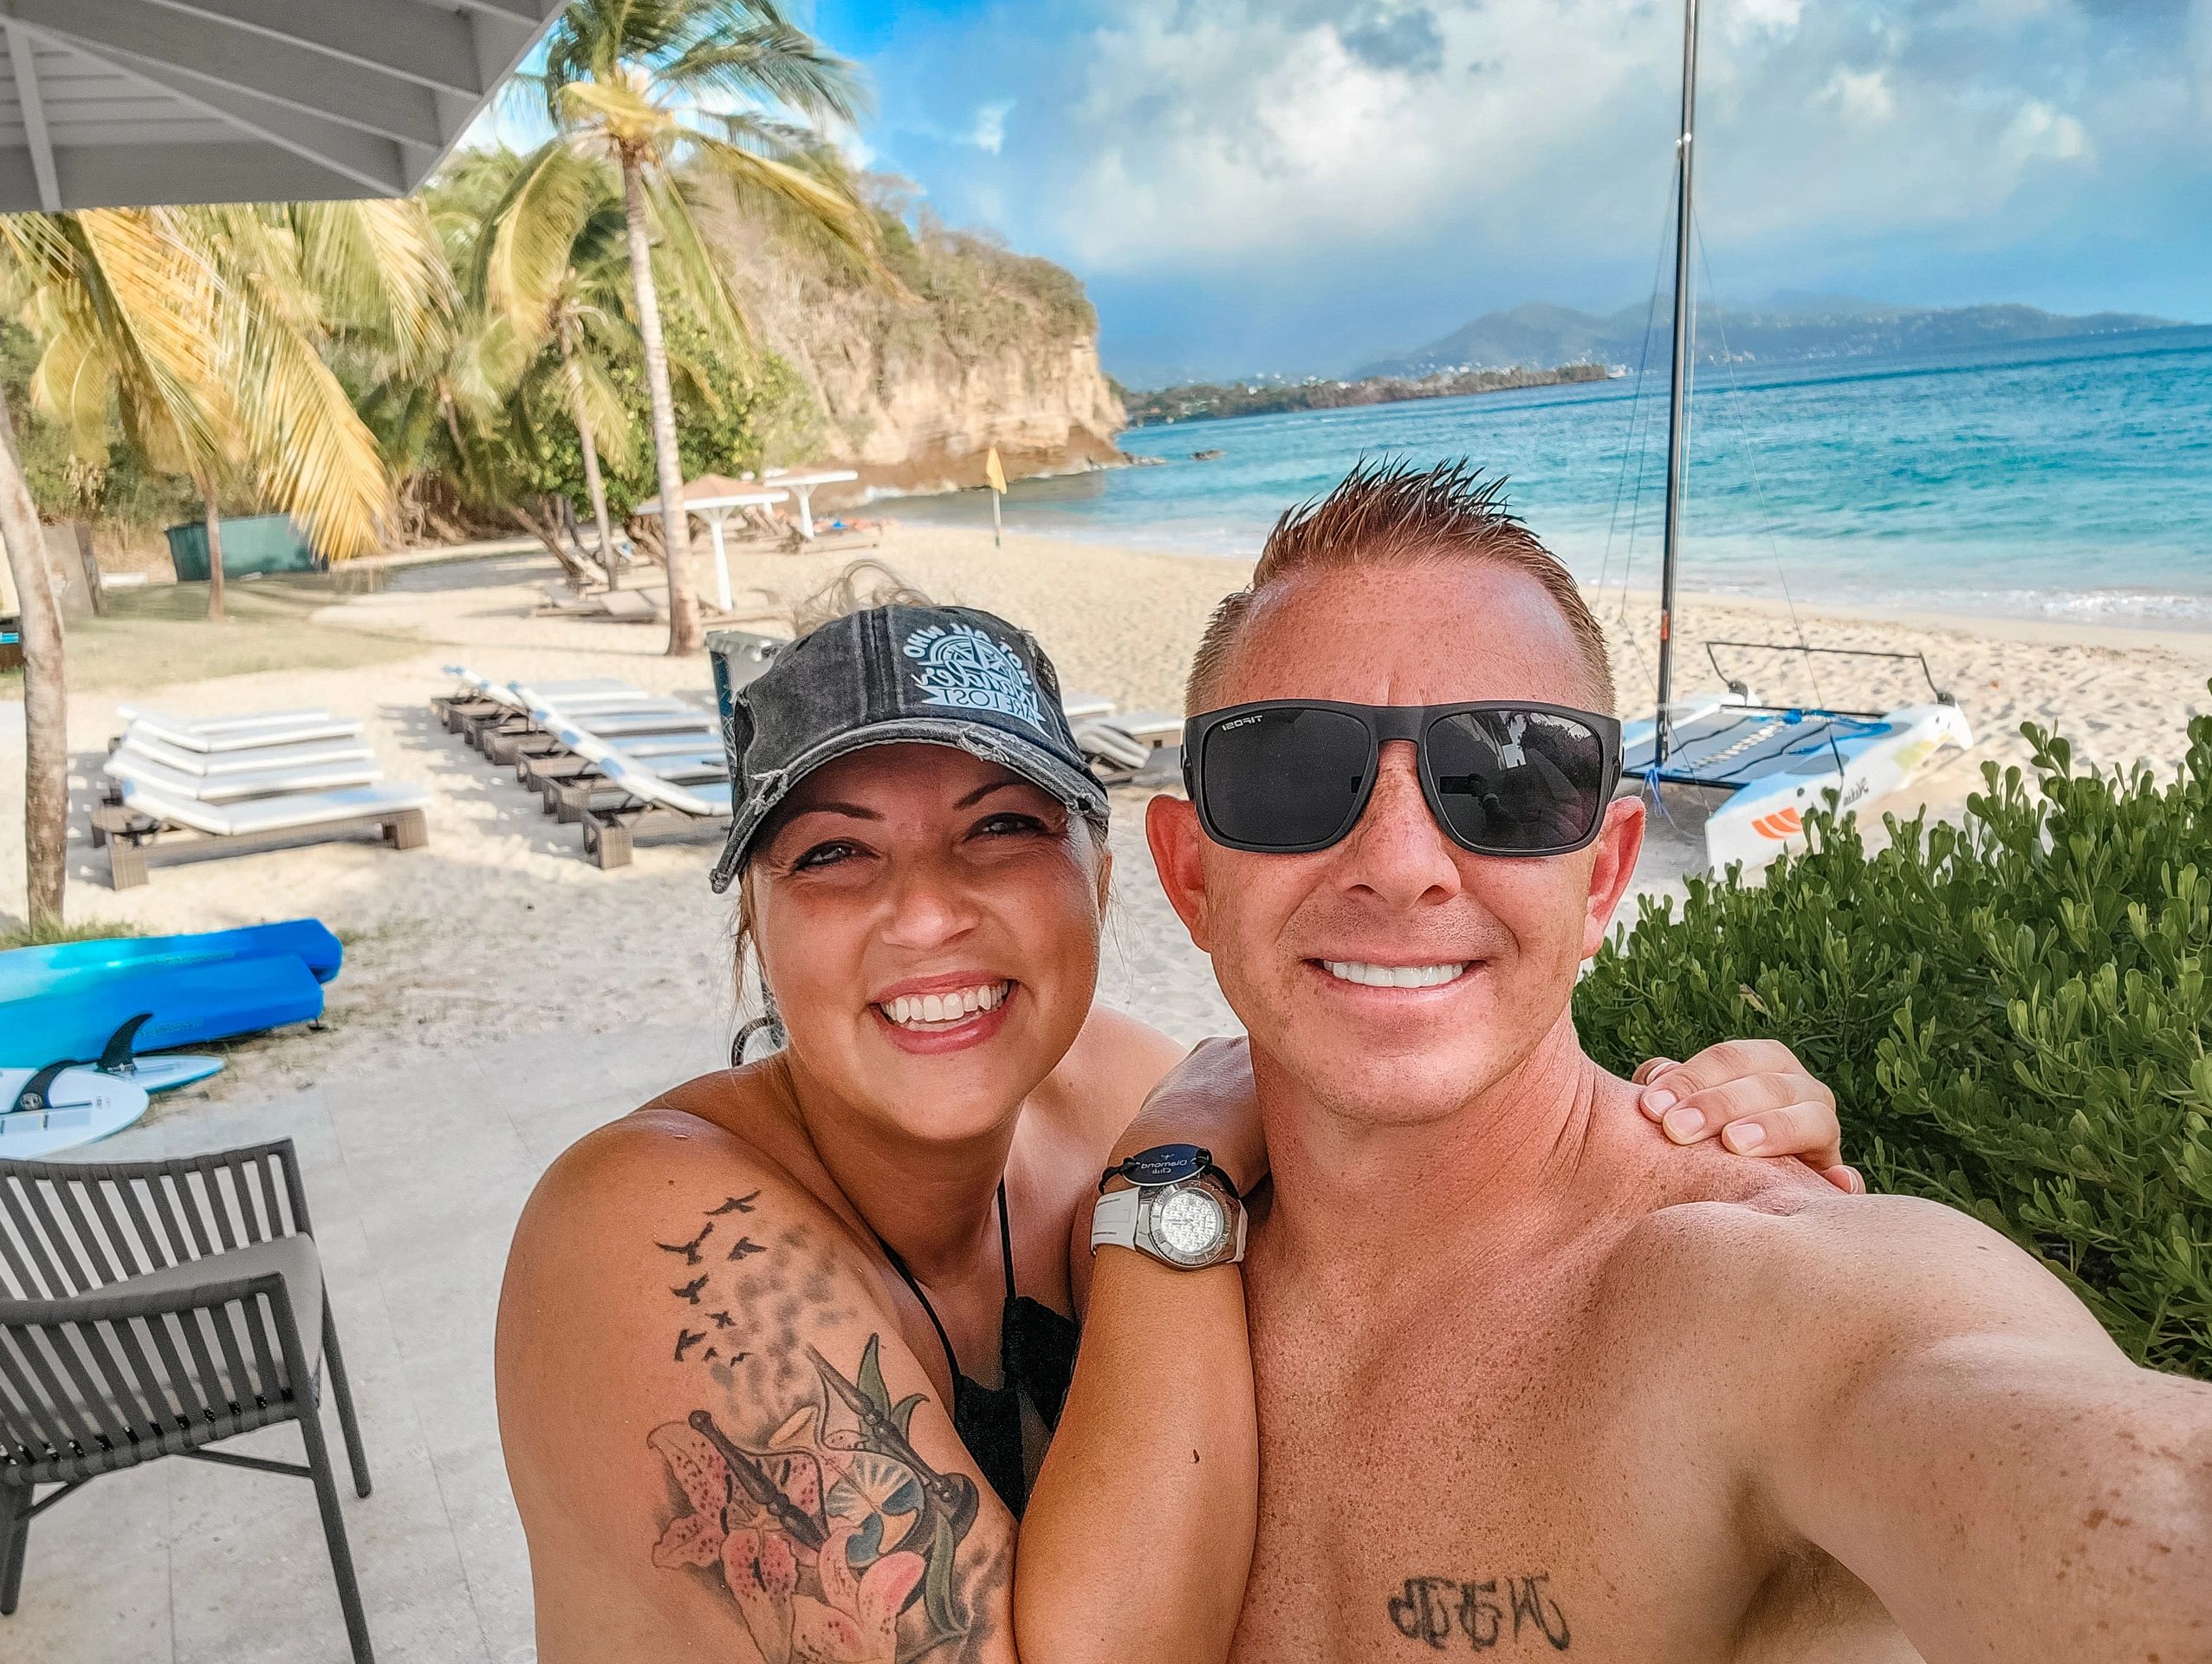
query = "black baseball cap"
{"x": 927, "y": 675}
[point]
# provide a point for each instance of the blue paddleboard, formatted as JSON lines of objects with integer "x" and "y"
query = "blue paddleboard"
{"x": 191, "y": 1004}
{"x": 27, "y": 971}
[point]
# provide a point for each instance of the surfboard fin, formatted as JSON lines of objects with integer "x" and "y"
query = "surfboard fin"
{"x": 32, "y": 1100}
{"x": 115, "y": 1056}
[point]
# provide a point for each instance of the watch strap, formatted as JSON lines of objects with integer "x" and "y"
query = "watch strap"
{"x": 1113, "y": 1220}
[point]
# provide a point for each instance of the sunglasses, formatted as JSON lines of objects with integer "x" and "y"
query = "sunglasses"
{"x": 1502, "y": 777}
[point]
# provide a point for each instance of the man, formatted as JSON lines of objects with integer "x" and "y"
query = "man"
{"x": 1528, "y": 1379}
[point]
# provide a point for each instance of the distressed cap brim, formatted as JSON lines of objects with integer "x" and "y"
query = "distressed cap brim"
{"x": 1077, "y": 789}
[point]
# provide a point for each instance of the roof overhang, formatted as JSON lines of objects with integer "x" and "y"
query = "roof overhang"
{"x": 115, "y": 103}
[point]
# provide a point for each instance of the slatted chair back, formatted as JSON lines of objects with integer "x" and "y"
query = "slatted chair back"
{"x": 93, "y": 1378}
{"x": 67, "y": 1228}
{"x": 106, "y": 1381}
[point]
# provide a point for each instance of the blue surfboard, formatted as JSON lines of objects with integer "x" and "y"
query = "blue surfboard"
{"x": 27, "y": 971}
{"x": 190, "y": 1004}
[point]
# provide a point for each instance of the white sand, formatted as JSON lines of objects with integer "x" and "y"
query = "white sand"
{"x": 501, "y": 928}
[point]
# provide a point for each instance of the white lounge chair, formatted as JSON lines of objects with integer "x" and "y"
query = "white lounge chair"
{"x": 220, "y": 724}
{"x": 310, "y": 754}
{"x": 128, "y": 766}
{"x": 1132, "y": 745}
{"x": 650, "y": 801}
{"x": 238, "y": 733}
{"x": 148, "y": 816}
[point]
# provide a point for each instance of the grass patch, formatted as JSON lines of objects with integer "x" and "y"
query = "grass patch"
{"x": 161, "y": 634}
{"x": 90, "y": 930}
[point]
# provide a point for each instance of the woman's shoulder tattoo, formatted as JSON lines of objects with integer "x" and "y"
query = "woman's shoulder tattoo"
{"x": 801, "y": 1498}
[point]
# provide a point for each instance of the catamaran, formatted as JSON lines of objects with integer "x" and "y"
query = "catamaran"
{"x": 1773, "y": 762}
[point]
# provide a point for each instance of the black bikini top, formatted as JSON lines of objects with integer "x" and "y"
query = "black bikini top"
{"x": 1036, "y": 1359}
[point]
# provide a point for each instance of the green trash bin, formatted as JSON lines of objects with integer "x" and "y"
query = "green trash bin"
{"x": 256, "y": 543}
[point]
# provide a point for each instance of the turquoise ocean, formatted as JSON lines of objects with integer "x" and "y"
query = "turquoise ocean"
{"x": 2060, "y": 479}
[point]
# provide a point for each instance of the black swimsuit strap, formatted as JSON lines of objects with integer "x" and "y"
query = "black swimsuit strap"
{"x": 1006, "y": 1250}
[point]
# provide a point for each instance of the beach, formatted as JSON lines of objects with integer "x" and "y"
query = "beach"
{"x": 499, "y": 929}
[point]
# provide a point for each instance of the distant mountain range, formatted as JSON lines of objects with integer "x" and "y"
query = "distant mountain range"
{"x": 1790, "y": 327}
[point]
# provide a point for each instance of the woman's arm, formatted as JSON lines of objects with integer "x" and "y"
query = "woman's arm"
{"x": 719, "y": 1442}
{"x": 1138, "y": 1532}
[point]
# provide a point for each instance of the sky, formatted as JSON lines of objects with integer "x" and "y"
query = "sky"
{"x": 1297, "y": 187}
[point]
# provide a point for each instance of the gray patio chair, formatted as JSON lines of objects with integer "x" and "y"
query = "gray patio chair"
{"x": 152, "y": 1309}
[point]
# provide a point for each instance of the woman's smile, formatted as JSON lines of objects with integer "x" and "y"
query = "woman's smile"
{"x": 927, "y": 1024}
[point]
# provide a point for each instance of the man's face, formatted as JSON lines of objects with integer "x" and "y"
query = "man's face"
{"x": 1397, "y": 892}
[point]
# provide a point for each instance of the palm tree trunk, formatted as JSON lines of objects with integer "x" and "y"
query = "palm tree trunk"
{"x": 593, "y": 483}
{"x": 214, "y": 524}
{"x": 46, "y": 709}
{"x": 684, "y": 634}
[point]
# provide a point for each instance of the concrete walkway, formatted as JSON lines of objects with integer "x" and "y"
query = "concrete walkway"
{"x": 414, "y": 1180}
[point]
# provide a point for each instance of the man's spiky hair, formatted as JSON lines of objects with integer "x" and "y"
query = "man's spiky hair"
{"x": 1387, "y": 513}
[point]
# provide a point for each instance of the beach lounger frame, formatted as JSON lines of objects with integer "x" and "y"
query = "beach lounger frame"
{"x": 130, "y": 835}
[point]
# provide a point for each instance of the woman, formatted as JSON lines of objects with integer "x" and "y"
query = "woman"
{"x": 745, "y": 1329}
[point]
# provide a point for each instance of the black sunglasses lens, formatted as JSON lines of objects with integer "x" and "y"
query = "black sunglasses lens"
{"x": 1517, "y": 783}
{"x": 1283, "y": 779}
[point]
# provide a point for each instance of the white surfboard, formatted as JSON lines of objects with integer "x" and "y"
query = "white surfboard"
{"x": 74, "y": 1107}
{"x": 165, "y": 1072}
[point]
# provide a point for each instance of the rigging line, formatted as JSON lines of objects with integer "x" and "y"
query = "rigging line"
{"x": 1758, "y": 481}
{"x": 1628, "y": 437}
{"x": 1766, "y": 511}
{"x": 1642, "y": 438}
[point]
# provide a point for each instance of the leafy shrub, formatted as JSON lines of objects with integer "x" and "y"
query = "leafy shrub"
{"x": 2012, "y": 1011}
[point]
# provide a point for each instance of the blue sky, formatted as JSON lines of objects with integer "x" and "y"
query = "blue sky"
{"x": 1298, "y": 186}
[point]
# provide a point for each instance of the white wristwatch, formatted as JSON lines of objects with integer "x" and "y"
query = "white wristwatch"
{"x": 1179, "y": 1208}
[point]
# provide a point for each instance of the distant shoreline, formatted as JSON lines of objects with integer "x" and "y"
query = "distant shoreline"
{"x": 1206, "y": 401}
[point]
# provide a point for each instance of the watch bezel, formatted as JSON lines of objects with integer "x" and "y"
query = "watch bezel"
{"x": 1155, "y": 1197}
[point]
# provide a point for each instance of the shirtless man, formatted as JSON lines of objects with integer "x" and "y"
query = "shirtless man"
{"x": 1528, "y": 1380}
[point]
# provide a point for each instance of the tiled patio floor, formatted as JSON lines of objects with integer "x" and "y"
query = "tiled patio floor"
{"x": 414, "y": 1180}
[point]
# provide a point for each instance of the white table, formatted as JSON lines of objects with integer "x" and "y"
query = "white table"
{"x": 802, "y": 486}
{"x": 715, "y": 511}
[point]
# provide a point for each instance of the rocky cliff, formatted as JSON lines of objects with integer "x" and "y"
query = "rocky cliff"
{"x": 984, "y": 347}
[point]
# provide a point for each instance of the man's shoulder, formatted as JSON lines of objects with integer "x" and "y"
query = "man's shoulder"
{"x": 1777, "y": 1261}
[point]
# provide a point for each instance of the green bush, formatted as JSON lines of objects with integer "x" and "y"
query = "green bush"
{"x": 2012, "y": 1011}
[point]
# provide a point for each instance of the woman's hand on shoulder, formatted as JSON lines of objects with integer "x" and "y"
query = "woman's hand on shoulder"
{"x": 705, "y": 1396}
{"x": 1756, "y": 1098}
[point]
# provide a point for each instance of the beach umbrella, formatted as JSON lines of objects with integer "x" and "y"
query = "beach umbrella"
{"x": 147, "y": 103}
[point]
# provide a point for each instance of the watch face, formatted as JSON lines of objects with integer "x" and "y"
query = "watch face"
{"x": 1187, "y": 1225}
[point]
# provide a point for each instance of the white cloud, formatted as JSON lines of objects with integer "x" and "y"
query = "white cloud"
{"x": 2038, "y": 132}
{"x": 1210, "y": 134}
{"x": 1865, "y": 97}
{"x": 988, "y": 135}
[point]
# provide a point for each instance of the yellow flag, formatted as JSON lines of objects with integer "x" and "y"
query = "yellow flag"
{"x": 992, "y": 472}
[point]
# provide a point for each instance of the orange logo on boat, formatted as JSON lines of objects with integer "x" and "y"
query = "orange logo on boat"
{"x": 1782, "y": 823}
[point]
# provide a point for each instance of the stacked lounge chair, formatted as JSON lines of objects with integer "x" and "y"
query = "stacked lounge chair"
{"x": 1130, "y": 747}
{"x": 616, "y": 759}
{"x": 221, "y": 782}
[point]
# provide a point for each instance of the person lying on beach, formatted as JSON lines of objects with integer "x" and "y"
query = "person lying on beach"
{"x": 745, "y": 1331}
{"x": 1527, "y": 1381}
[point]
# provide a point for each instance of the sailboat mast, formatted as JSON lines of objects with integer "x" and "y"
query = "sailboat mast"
{"x": 1678, "y": 384}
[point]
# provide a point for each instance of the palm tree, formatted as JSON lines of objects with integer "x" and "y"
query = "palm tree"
{"x": 552, "y": 267}
{"x": 203, "y": 332}
{"x": 661, "y": 86}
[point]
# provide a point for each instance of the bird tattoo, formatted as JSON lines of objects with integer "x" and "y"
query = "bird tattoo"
{"x": 690, "y": 1291}
{"x": 722, "y": 1319}
{"x": 735, "y": 1204}
{"x": 684, "y": 1341}
{"x": 689, "y": 1250}
{"x": 744, "y": 1247}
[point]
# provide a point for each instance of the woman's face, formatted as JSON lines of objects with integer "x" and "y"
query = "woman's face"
{"x": 929, "y": 923}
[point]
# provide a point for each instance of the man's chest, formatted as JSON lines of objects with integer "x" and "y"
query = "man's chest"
{"x": 1503, "y": 1487}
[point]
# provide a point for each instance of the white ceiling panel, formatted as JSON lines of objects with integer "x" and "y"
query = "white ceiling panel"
{"x": 109, "y": 103}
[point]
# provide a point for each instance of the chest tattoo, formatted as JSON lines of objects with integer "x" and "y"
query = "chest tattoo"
{"x": 1479, "y": 1614}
